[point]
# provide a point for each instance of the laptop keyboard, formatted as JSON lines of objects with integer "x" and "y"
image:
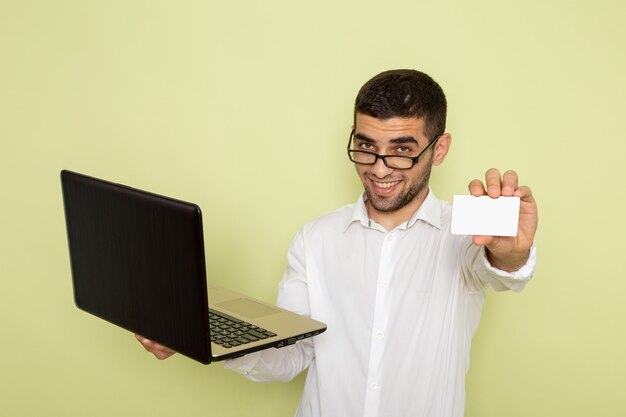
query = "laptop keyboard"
{"x": 229, "y": 332}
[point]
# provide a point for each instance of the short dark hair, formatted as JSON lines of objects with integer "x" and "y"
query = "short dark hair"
{"x": 404, "y": 93}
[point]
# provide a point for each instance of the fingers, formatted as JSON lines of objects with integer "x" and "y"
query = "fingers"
{"x": 495, "y": 185}
{"x": 476, "y": 188}
{"x": 509, "y": 183}
{"x": 493, "y": 182}
{"x": 524, "y": 193}
{"x": 159, "y": 351}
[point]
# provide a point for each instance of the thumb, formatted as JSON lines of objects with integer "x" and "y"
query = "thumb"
{"x": 482, "y": 240}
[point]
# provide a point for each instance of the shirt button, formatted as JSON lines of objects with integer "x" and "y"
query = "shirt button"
{"x": 375, "y": 386}
{"x": 385, "y": 284}
{"x": 380, "y": 335}
{"x": 390, "y": 238}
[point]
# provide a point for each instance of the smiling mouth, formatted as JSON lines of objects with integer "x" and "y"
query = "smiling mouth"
{"x": 385, "y": 184}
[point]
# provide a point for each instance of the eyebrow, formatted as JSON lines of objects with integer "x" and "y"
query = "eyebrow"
{"x": 399, "y": 140}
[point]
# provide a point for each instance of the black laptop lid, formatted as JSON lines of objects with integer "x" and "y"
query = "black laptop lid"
{"x": 138, "y": 261}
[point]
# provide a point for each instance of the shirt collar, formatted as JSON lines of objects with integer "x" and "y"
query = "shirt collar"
{"x": 429, "y": 211}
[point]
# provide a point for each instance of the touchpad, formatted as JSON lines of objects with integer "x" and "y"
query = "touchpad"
{"x": 247, "y": 308}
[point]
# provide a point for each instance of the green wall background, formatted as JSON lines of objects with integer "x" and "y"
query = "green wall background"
{"x": 245, "y": 108}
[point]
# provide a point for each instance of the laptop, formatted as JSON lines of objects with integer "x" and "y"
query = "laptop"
{"x": 137, "y": 261}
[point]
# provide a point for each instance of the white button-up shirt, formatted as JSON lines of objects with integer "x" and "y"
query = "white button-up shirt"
{"x": 401, "y": 308}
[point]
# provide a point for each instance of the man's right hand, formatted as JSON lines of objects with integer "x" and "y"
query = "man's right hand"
{"x": 160, "y": 351}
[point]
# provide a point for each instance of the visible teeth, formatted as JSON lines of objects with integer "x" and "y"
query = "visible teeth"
{"x": 386, "y": 184}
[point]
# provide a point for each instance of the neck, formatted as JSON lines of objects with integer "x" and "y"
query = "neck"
{"x": 392, "y": 219}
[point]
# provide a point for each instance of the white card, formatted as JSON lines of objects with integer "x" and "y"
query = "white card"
{"x": 484, "y": 215}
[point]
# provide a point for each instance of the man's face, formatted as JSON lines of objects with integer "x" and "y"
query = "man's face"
{"x": 389, "y": 189}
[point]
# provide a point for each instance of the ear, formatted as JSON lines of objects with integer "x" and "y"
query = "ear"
{"x": 441, "y": 148}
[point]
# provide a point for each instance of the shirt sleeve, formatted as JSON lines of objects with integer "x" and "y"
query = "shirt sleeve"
{"x": 285, "y": 363}
{"x": 479, "y": 272}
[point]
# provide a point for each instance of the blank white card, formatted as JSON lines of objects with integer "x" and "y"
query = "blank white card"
{"x": 484, "y": 215}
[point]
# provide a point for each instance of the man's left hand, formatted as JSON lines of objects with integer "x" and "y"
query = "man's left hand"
{"x": 508, "y": 253}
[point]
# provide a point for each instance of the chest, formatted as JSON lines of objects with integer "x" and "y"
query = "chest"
{"x": 402, "y": 272}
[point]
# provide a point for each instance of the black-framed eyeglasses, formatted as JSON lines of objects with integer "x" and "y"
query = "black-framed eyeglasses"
{"x": 390, "y": 161}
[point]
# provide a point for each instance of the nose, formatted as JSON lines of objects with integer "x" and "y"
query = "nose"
{"x": 380, "y": 170}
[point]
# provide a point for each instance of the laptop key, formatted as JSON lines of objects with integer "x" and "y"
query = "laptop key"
{"x": 258, "y": 334}
{"x": 250, "y": 337}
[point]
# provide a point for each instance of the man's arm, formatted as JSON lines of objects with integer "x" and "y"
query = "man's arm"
{"x": 293, "y": 294}
{"x": 508, "y": 253}
{"x": 271, "y": 364}
{"x": 268, "y": 365}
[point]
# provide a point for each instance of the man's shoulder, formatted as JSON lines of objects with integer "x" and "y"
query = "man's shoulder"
{"x": 337, "y": 219}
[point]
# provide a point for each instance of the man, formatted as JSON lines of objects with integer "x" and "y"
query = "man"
{"x": 401, "y": 296}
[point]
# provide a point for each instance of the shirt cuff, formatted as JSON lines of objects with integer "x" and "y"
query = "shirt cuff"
{"x": 243, "y": 365}
{"x": 525, "y": 271}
